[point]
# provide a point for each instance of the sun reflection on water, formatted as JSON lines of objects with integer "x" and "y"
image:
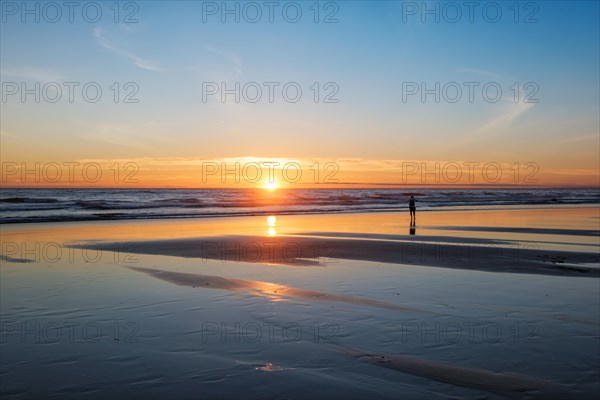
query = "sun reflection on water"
{"x": 271, "y": 222}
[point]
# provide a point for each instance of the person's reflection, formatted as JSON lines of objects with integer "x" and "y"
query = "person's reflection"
{"x": 413, "y": 228}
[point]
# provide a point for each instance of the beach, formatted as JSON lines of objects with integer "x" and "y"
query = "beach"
{"x": 489, "y": 303}
{"x": 299, "y": 200}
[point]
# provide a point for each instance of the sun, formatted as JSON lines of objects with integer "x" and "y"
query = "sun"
{"x": 271, "y": 185}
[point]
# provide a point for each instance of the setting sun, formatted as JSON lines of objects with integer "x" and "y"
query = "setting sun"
{"x": 271, "y": 185}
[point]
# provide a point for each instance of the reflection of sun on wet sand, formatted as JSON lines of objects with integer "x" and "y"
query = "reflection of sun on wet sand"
{"x": 260, "y": 288}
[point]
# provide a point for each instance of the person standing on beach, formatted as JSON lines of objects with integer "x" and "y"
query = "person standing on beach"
{"x": 413, "y": 209}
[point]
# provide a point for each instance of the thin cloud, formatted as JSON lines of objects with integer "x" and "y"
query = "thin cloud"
{"x": 507, "y": 116}
{"x": 234, "y": 60}
{"x": 218, "y": 64}
{"x": 138, "y": 61}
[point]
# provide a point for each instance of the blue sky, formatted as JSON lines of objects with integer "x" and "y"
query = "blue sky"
{"x": 369, "y": 53}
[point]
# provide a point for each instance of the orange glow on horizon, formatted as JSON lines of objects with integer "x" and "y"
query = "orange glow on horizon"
{"x": 282, "y": 173}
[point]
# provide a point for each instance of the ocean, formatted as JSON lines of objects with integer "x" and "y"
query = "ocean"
{"x": 62, "y": 205}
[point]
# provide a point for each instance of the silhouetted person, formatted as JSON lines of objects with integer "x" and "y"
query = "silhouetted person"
{"x": 413, "y": 209}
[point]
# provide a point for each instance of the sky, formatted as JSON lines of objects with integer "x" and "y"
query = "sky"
{"x": 369, "y": 73}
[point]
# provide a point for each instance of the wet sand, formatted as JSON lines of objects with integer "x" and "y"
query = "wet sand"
{"x": 482, "y": 304}
{"x": 436, "y": 251}
{"x": 453, "y": 374}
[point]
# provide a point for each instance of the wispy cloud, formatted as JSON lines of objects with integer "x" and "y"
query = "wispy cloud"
{"x": 234, "y": 60}
{"x": 218, "y": 64}
{"x": 507, "y": 115}
{"x": 138, "y": 61}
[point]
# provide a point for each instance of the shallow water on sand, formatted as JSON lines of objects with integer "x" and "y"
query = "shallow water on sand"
{"x": 100, "y": 324}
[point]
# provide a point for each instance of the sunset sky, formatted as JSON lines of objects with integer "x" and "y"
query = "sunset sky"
{"x": 374, "y": 50}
